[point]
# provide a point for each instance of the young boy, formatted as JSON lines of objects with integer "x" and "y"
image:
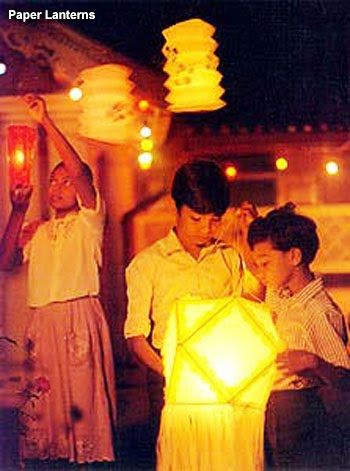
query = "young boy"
{"x": 190, "y": 260}
{"x": 298, "y": 431}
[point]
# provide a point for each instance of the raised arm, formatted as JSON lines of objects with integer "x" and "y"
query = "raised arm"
{"x": 72, "y": 162}
{"x": 10, "y": 252}
{"x": 252, "y": 287}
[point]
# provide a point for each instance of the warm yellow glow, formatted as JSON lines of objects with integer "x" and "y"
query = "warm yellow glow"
{"x": 75, "y": 93}
{"x": 21, "y": 146}
{"x": 332, "y": 168}
{"x": 194, "y": 28}
{"x": 147, "y": 144}
{"x": 145, "y": 160}
{"x": 19, "y": 157}
{"x": 219, "y": 366}
{"x": 230, "y": 172}
{"x": 281, "y": 163}
{"x": 145, "y": 131}
{"x": 143, "y": 105}
{"x": 224, "y": 348}
{"x": 108, "y": 106}
{"x": 191, "y": 65}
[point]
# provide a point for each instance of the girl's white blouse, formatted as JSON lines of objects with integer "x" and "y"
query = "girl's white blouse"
{"x": 64, "y": 257}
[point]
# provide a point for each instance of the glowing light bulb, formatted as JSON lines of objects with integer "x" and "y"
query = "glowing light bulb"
{"x": 147, "y": 144}
{"x": 145, "y": 131}
{"x": 75, "y": 93}
{"x": 19, "y": 157}
{"x": 145, "y": 160}
{"x": 281, "y": 163}
{"x": 143, "y": 105}
{"x": 3, "y": 68}
{"x": 230, "y": 172}
{"x": 332, "y": 168}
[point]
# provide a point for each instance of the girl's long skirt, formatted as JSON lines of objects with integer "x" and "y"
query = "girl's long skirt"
{"x": 69, "y": 410}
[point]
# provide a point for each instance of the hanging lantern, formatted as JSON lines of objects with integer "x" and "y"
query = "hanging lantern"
{"x": 219, "y": 367}
{"x": 21, "y": 144}
{"x": 192, "y": 67}
{"x": 108, "y": 107}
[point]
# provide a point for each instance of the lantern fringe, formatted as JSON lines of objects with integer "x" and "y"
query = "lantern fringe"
{"x": 210, "y": 438}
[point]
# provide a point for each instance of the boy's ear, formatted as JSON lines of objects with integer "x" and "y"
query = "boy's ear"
{"x": 295, "y": 256}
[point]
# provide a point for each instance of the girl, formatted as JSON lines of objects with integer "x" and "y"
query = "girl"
{"x": 72, "y": 414}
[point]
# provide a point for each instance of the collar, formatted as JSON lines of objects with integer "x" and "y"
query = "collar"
{"x": 65, "y": 218}
{"x": 303, "y": 296}
{"x": 172, "y": 244}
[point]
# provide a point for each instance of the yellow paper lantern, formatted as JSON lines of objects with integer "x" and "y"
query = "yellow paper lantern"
{"x": 108, "y": 107}
{"x": 219, "y": 366}
{"x": 191, "y": 65}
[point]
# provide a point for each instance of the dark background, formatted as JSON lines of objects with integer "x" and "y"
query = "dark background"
{"x": 283, "y": 61}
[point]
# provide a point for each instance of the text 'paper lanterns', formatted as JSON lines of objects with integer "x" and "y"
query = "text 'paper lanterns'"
{"x": 108, "y": 107}
{"x": 219, "y": 367}
{"x": 21, "y": 145}
{"x": 192, "y": 67}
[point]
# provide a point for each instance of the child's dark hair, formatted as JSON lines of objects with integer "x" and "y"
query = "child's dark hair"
{"x": 202, "y": 186}
{"x": 285, "y": 229}
{"x": 86, "y": 170}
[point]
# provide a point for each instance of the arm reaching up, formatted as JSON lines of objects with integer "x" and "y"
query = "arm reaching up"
{"x": 252, "y": 287}
{"x": 10, "y": 252}
{"x": 72, "y": 162}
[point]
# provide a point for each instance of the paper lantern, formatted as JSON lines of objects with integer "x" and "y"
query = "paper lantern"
{"x": 192, "y": 67}
{"x": 21, "y": 145}
{"x": 219, "y": 367}
{"x": 108, "y": 107}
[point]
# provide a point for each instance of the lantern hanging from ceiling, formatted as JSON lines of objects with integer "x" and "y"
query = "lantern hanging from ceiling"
{"x": 21, "y": 145}
{"x": 219, "y": 364}
{"x": 108, "y": 106}
{"x": 191, "y": 64}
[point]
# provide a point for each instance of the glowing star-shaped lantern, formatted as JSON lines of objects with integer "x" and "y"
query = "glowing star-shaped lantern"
{"x": 192, "y": 67}
{"x": 108, "y": 107}
{"x": 21, "y": 145}
{"x": 219, "y": 363}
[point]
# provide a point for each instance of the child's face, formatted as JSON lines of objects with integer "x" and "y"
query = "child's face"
{"x": 196, "y": 229}
{"x": 275, "y": 268}
{"x": 62, "y": 193}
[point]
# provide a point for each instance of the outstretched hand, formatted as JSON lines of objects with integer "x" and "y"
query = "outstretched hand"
{"x": 246, "y": 213}
{"x": 243, "y": 216}
{"x": 36, "y": 106}
{"x": 20, "y": 197}
{"x": 296, "y": 361}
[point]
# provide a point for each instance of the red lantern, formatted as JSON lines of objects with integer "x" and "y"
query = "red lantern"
{"x": 21, "y": 143}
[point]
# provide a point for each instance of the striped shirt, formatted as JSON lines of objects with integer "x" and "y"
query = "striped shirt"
{"x": 310, "y": 321}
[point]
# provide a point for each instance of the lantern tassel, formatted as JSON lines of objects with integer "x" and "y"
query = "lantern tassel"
{"x": 210, "y": 438}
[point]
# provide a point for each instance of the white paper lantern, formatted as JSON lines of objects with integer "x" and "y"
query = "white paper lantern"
{"x": 108, "y": 107}
{"x": 219, "y": 367}
{"x": 192, "y": 67}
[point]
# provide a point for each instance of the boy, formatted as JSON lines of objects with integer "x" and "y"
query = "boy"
{"x": 298, "y": 432}
{"x": 190, "y": 260}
